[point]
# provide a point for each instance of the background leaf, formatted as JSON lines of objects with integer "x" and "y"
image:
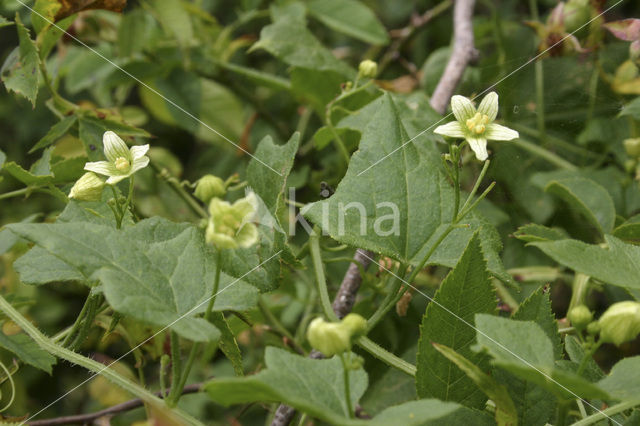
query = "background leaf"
{"x": 619, "y": 264}
{"x": 350, "y": 17}
{"x": 532, "y": 358}
{"x": 448, "y": 321}
{"x": 291, "y": 42}
{"x": 505, "y": 410}
{"x": 23, "y": 347}
{"x": 312, "y": 386}
{"x": 589, "y": 198}
{"x": 20, "y": 72}
{"x": 155, "y": 271}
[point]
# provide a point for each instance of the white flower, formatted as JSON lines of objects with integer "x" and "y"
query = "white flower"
{"x": 476, "y": 126}
{"x": 122, "y": 161}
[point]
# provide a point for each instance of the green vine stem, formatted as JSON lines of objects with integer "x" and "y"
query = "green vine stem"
{"x": 175, "y": 185}
{"x": 605, "y": 414}
{"x": 386, "y": 356}
{"x": 364, "y": 342}
{"x": 181, "y": 377}
{"x": 321, "y": 281}
{"x": 95, "y": 367}
{"x": 587, "y": 357}
{"x": 539, "y": 75}
{"x": 390, "y": 299}
{"x": 329, "y": 123}
{"x": 580, "y": 289}
{"x": 176, "y": 367}
{"x": 544, "y": 153}
{"x": 347, "y": 388}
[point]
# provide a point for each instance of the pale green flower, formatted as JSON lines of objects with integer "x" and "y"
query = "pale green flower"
{"x": 122, "y": 161}
{"x": 87, "y": 188}
{"x": 620, "y": 323}
{"x": 476, "y": 126}
{"x": 230, "y": 225}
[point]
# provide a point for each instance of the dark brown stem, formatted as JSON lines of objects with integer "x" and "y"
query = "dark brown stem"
{"x": 342, "y": 305}
{"x": 463, "y": 52}
{"x": 346, "y": 297}
{"x": 111, "y": 411}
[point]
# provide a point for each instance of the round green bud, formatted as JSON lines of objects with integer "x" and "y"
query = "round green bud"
{"x": 580, "y": 316}
{"x": 632, "y": 147}
{"x": 355, "y": 324}
{"x": 620, "y": 323}
{"x": 576, "y": 14}
{"x": 593, "y": 328}
{"x": 87, "y": 188}
{"x": 630, "y": 165}
{"x": 209, "y": 187}
{"x": 368, "y": 69}
{"x": 330, "y": 338}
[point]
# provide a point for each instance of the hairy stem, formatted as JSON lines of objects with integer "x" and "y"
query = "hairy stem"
{"x": 321, "y": 281}
{"x": 544, "y": 153}
{"x": 386, "y": 356}
{"x": 607, "y": 413}
{"x": 347, "y": 388}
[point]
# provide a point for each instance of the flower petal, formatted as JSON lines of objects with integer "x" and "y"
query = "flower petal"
{"x": 102, "y": 168}
{"x": 114, "y": 147}
{"x": 453, "y": 130}
{"x": 138, "y": 163}
{"x": 462, "y": 108}
{"x": 247, "y": 235}
{"x": 218, "y": 207}
{"x": 496, "y": 132}
{"x": 115, "y": 179}
{"x": 489, "y": 106}
{"x": 246, "y": 207}
{"x": 221, "y": 241}
{"x": 138, "y": 151}
{"x": 479, "y": 146}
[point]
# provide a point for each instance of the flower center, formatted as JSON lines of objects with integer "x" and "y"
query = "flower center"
{"x": 477, "y": 123}
{"x": 122, "y": 164}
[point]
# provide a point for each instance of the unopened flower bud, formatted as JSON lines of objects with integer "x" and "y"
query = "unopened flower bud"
{"x": 330, "y": 338}
{"x": 632, "y": 147}
{"x": 580, "y": 316}
{"x": 209, "y": 187}
{"x": 620, "y": 323}
{"x": 87, "y": 188}
{"x": 368, "y": 69}
{"x": 576, "y": 14}
{"x": 593, "y": 328}
{"x": 355, "y": 324}
{"x": 333, "y": 338}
